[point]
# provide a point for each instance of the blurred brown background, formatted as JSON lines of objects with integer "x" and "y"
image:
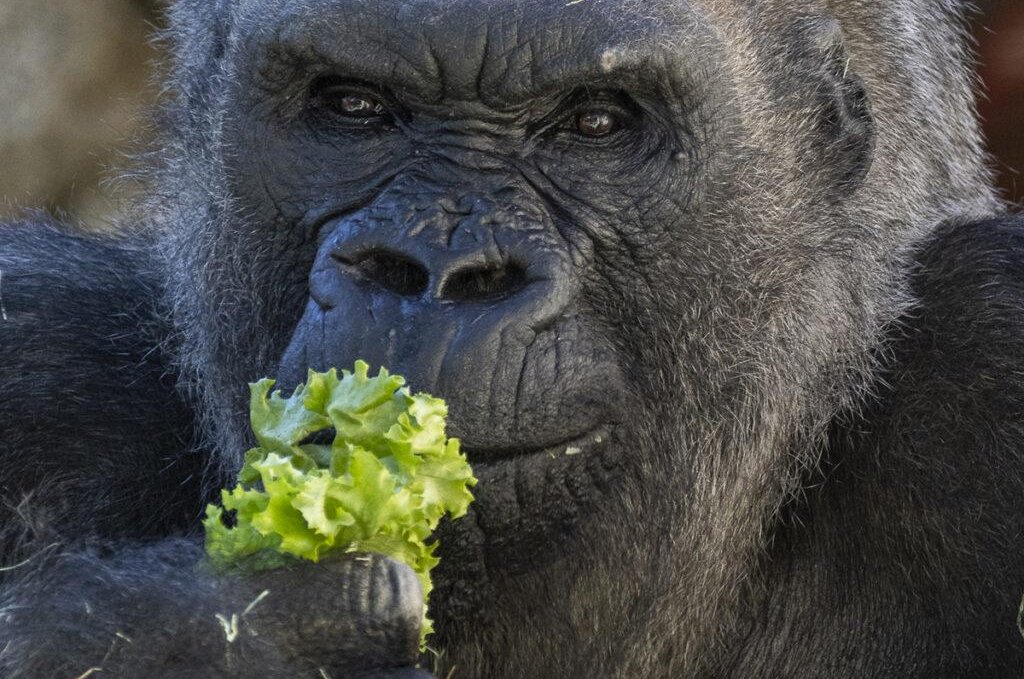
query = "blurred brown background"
{"x": 1000, "y": 34}
{"x": 74, "y": 88}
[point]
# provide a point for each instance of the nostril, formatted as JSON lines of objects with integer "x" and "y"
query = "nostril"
{"x": 389, "y": 270}
{"x": 480, "y": 284}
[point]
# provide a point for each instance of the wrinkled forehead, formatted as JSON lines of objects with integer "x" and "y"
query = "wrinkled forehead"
{"x": 461, "y": 48}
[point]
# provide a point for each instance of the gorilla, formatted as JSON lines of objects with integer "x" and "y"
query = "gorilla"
{"x": 728, "y": 314}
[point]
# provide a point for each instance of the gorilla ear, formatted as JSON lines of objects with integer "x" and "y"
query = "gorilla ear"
{"x": 844, "y": 120}
{"x": 197, "y": 32}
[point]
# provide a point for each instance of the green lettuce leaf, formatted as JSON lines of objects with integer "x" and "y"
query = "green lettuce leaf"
{"x": 382, "y": 486}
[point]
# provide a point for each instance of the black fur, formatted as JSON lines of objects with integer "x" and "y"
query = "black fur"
{"x": 92, "y": 416}
{"x": 906, "y": 542}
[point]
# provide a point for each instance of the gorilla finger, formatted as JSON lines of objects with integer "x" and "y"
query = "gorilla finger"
{"x": 356, "y": 611}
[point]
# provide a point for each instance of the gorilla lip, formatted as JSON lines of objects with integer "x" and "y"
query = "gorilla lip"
{"x": 573, "y": 445}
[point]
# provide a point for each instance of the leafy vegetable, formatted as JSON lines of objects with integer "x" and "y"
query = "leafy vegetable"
{"x": 381, "y": 486}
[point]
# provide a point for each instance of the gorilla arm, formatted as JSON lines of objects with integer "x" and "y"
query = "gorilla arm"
{"x": 145, "y": 611}
{"x": 95, "y": 434}
{"x": 102, "y": 486}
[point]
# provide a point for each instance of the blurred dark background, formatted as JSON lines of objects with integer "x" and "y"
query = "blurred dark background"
{"x": 999, "y": 30}
{"x": 75, "y": 86}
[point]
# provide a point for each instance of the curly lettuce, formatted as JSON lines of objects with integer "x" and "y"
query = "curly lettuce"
{"x": 381, "y": 485}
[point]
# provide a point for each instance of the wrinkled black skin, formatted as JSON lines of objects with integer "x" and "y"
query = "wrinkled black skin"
{"x": 900, "y": 558}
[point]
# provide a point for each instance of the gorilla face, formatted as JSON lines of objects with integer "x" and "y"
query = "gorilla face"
{"x": 578, "y": 225}
{"x": 463, "y": 207}
{"x": 474, "y": 206}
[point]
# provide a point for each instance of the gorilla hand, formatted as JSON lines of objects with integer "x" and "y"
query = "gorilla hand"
{"x": 149, "y": 612}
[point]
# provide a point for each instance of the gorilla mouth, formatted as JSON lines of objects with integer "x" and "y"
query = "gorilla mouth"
{"x": 573, "y": 445}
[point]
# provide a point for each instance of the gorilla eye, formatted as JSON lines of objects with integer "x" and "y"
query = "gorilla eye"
{"x": 358, "y": 106}
{"x": 352, "y": 105}
{"x": 596, "y": 123}
{"x": 348, "y": 101}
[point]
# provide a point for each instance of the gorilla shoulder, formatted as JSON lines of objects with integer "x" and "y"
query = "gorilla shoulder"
{"x": 964, "y": 344}
{"x": 948, "y": 439}
{"x": 911, "y": 524}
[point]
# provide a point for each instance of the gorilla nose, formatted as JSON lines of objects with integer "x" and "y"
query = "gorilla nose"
{"x": 416, "y": 272}
{"x": 393, "y": 271}
{"x": 473, "y": 306}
